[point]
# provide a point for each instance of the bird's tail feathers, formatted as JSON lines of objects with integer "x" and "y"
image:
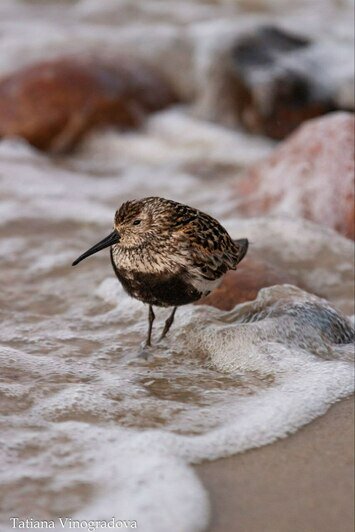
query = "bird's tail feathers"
{"x": 241, "y": 246}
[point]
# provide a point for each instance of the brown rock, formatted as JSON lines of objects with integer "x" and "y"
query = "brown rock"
{"x": 274, "y": 82}
{"x": 310, "y": 175}
{"x": 53, "y": 104}
{"x": 242, "y": 285}
{"x": 293, "y": 251}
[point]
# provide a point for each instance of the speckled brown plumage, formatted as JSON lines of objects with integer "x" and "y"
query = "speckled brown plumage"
{"x": 168, "y": 254}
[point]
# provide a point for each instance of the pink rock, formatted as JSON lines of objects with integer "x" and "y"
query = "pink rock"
{"x": 310, "y": 175}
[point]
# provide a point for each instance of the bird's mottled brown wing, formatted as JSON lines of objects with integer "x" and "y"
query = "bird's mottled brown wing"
{"x": 210, "y": 248}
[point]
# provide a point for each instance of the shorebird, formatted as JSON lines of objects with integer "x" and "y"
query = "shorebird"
{"x": 167, "y": 254}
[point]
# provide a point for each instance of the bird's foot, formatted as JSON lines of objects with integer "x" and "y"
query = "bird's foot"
{"x": 146, "y": 352}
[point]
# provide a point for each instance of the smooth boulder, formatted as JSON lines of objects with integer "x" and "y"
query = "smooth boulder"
{"x": 273, "y": 80}
{"x": 310, "y": 175}
{"x": 52, "y": 104}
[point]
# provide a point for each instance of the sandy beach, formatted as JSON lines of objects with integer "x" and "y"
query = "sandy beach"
{"x": 303, "y": 483}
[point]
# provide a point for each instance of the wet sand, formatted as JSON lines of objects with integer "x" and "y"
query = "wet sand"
{"x": 304, "y": 483}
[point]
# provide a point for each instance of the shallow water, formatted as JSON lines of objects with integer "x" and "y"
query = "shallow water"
{"x": 88, "y": 429}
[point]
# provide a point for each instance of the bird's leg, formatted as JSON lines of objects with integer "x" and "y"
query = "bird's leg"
{"x": 151, "y": 318}
{"x": 168, "y": 324}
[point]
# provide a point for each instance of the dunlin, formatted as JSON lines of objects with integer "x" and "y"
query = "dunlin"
{"x": 167, "y": 254}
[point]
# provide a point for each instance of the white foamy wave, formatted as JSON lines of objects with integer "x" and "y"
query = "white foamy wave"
{"x": 131, "y": 427}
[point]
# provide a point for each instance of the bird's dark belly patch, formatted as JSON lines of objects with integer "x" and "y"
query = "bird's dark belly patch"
{"x": 163, "y": 290}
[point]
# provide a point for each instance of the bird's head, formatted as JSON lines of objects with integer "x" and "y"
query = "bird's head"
{"x": 136, "y": 222}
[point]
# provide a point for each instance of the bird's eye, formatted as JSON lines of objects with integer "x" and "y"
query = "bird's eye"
{"x": 136, "y": 222}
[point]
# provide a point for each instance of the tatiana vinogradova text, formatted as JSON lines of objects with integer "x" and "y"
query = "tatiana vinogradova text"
{"x": 67, "y": 523}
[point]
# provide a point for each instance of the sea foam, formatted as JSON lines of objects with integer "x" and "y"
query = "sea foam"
{"x": 119, "y": 433}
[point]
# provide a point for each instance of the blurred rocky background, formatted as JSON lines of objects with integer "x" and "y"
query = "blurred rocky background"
{"x": 207, "y": 88}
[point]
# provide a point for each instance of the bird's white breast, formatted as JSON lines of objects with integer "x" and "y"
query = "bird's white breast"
{"x": 205, "y": 286}
{"x": 147, "y": 261}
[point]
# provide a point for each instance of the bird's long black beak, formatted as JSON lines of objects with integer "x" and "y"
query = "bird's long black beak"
{"x": 111, "y": 239}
